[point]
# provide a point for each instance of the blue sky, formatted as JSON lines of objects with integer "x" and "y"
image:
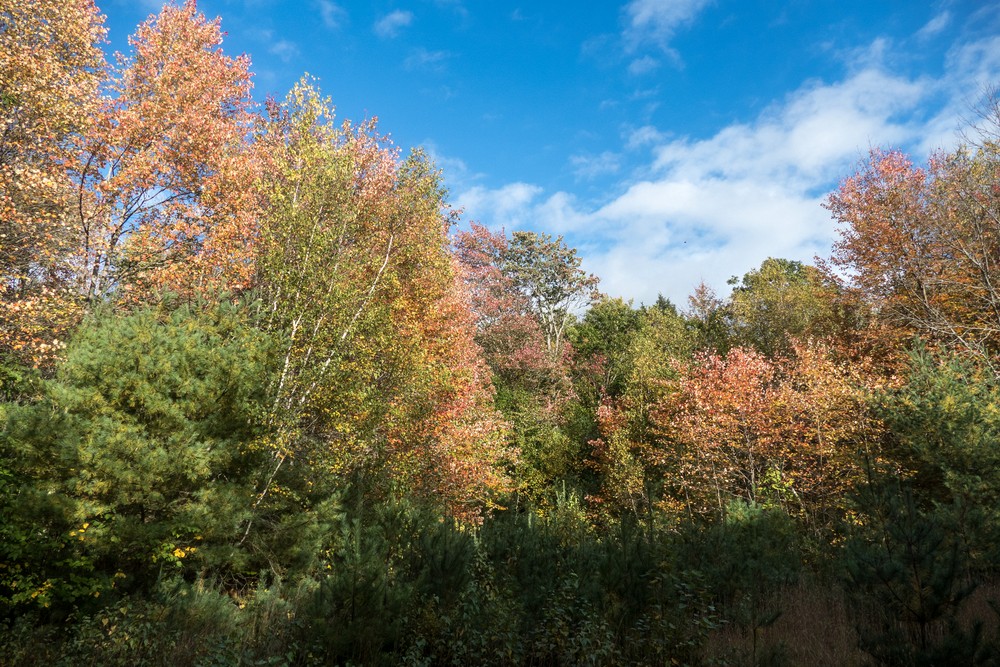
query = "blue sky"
{"x": 670, "y": 141}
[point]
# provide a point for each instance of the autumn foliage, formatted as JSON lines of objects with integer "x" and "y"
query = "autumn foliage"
{"x": 165, "y": 183}
{"x": 921, "y": 243}
{"x": 51, "y": 68}
{"x": 782, "y": 432}
{"x": 250, "y": 354}
{"x": 157, "y": 176}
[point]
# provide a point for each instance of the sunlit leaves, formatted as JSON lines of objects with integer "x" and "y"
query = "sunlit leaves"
{"x": 353, "y": 267}
{"x": 782, "y": 432}
{"x": 163, "y": 173}
{"x": 50, "y": 69}
{"x": 920, "y": 244}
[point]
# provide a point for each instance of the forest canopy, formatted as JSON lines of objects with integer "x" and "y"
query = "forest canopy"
{"x": 268, "y": 398}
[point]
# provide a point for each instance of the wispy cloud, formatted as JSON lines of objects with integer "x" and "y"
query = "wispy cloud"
{"x": 284, "y": 49}
{"x": 657, "y": 21}
{"x": 643, "y": 65}
{"x": 588, "y": 167}
{"x": 935, "y": 25}
{"x": 333, "y": 15}
{"x": 643, "y": 136}
{"x": 457, "y": 6}
{"x": 508, "y": 207}
{"x": 422, "y": 59}
{"x": 391, "y": 24}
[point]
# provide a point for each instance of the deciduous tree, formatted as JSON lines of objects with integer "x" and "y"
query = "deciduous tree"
{"x": 163, "y": 177}
{"x": 920, "y": 243}
{"x": 353, "y": 267}
{"x": 780, "y": 302}
{"x": 769, "y": 432}
{"x": 547, "y": 272}
{"x": 51, "y": 66}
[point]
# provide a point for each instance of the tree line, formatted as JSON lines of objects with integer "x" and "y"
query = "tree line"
{"x": 267, "y": 400}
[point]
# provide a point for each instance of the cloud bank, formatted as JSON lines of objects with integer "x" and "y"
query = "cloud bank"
{"x": 710, "y": 208}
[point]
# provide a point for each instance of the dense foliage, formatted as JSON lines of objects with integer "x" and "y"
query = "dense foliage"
{"x": 263, "y": 402}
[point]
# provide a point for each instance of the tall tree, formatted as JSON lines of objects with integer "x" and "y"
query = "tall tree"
{"x": 781, "y": 301}
{"x": 156, "y": 173}
{"x": 523, "y": 290}
{"x": 710, "y": 319}
{"x": 605, "y": 336}
{"x": 380, "y": 369}
{"x": 628, "y": 456}
{"x": 920, "y": 244}
{"x": 140, "y": 454}
{"x": 547, "y": 272}
{"x": 508, "y": 328}
{"x": 51, "y": 66}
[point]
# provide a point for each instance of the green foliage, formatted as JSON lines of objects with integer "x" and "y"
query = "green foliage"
{"x": 605, "y": 337}
{"x": 18, "y": 382}
{"x": 907, "y": 568}
{"x": 547, "y": 272}
{"x": 142, "y": 458}
{"x": 270, "y": 482}
{"x": 781, "y": 300}
{"x": 746, "y": 560}
{"x": 946, "y": 426}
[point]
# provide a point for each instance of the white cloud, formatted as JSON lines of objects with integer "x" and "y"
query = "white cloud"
{"x": 806, "y": 138}
{"x": 454, "y": 170}
{"x": 935, "y": 25}
{"x": 456, "y": 6}
{"x": 643, "y": 136}
{"x": 284, "y": 49}
{"x": 657, "y": 21}
{"x": 421, "y": 58}
{"x": 643, "y": 65}
{"x": 592, "y": 166}
{"x": 391, "y": 24}
{"x": 508, "y": 207}
{"x": 713, "y": 207}
{"x": 333, "y": 15}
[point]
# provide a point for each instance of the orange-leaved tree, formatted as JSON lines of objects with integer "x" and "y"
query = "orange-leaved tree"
{"x": 51, "y": 66}
{"x": 524, "y": 292}
{"x": 784, "y": 432}
{"x": 164, "y": 173}
{"x": 920, "y": 244}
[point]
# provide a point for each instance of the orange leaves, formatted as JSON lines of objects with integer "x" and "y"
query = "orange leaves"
{"x": 883, "y": 206}
{"x": 768, "y": 431}
{"x": 920, "y": 244}
{"x": 172, "y": 182}
{"x": 50, "y": 68}
{"x": 36, "y": 325}
{"x": 168, "y": 165}
{"x": 353, "y": 265}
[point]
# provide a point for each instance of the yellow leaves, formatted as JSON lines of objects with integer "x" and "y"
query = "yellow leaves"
{"x": 42, "y": 592}
{"x": 183, "y": 552}
{"x": 741, "y": 419}
{"x": 174, "y": 553}
{"x": 36, "y": 325}
{"x": 80, "y": 532}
